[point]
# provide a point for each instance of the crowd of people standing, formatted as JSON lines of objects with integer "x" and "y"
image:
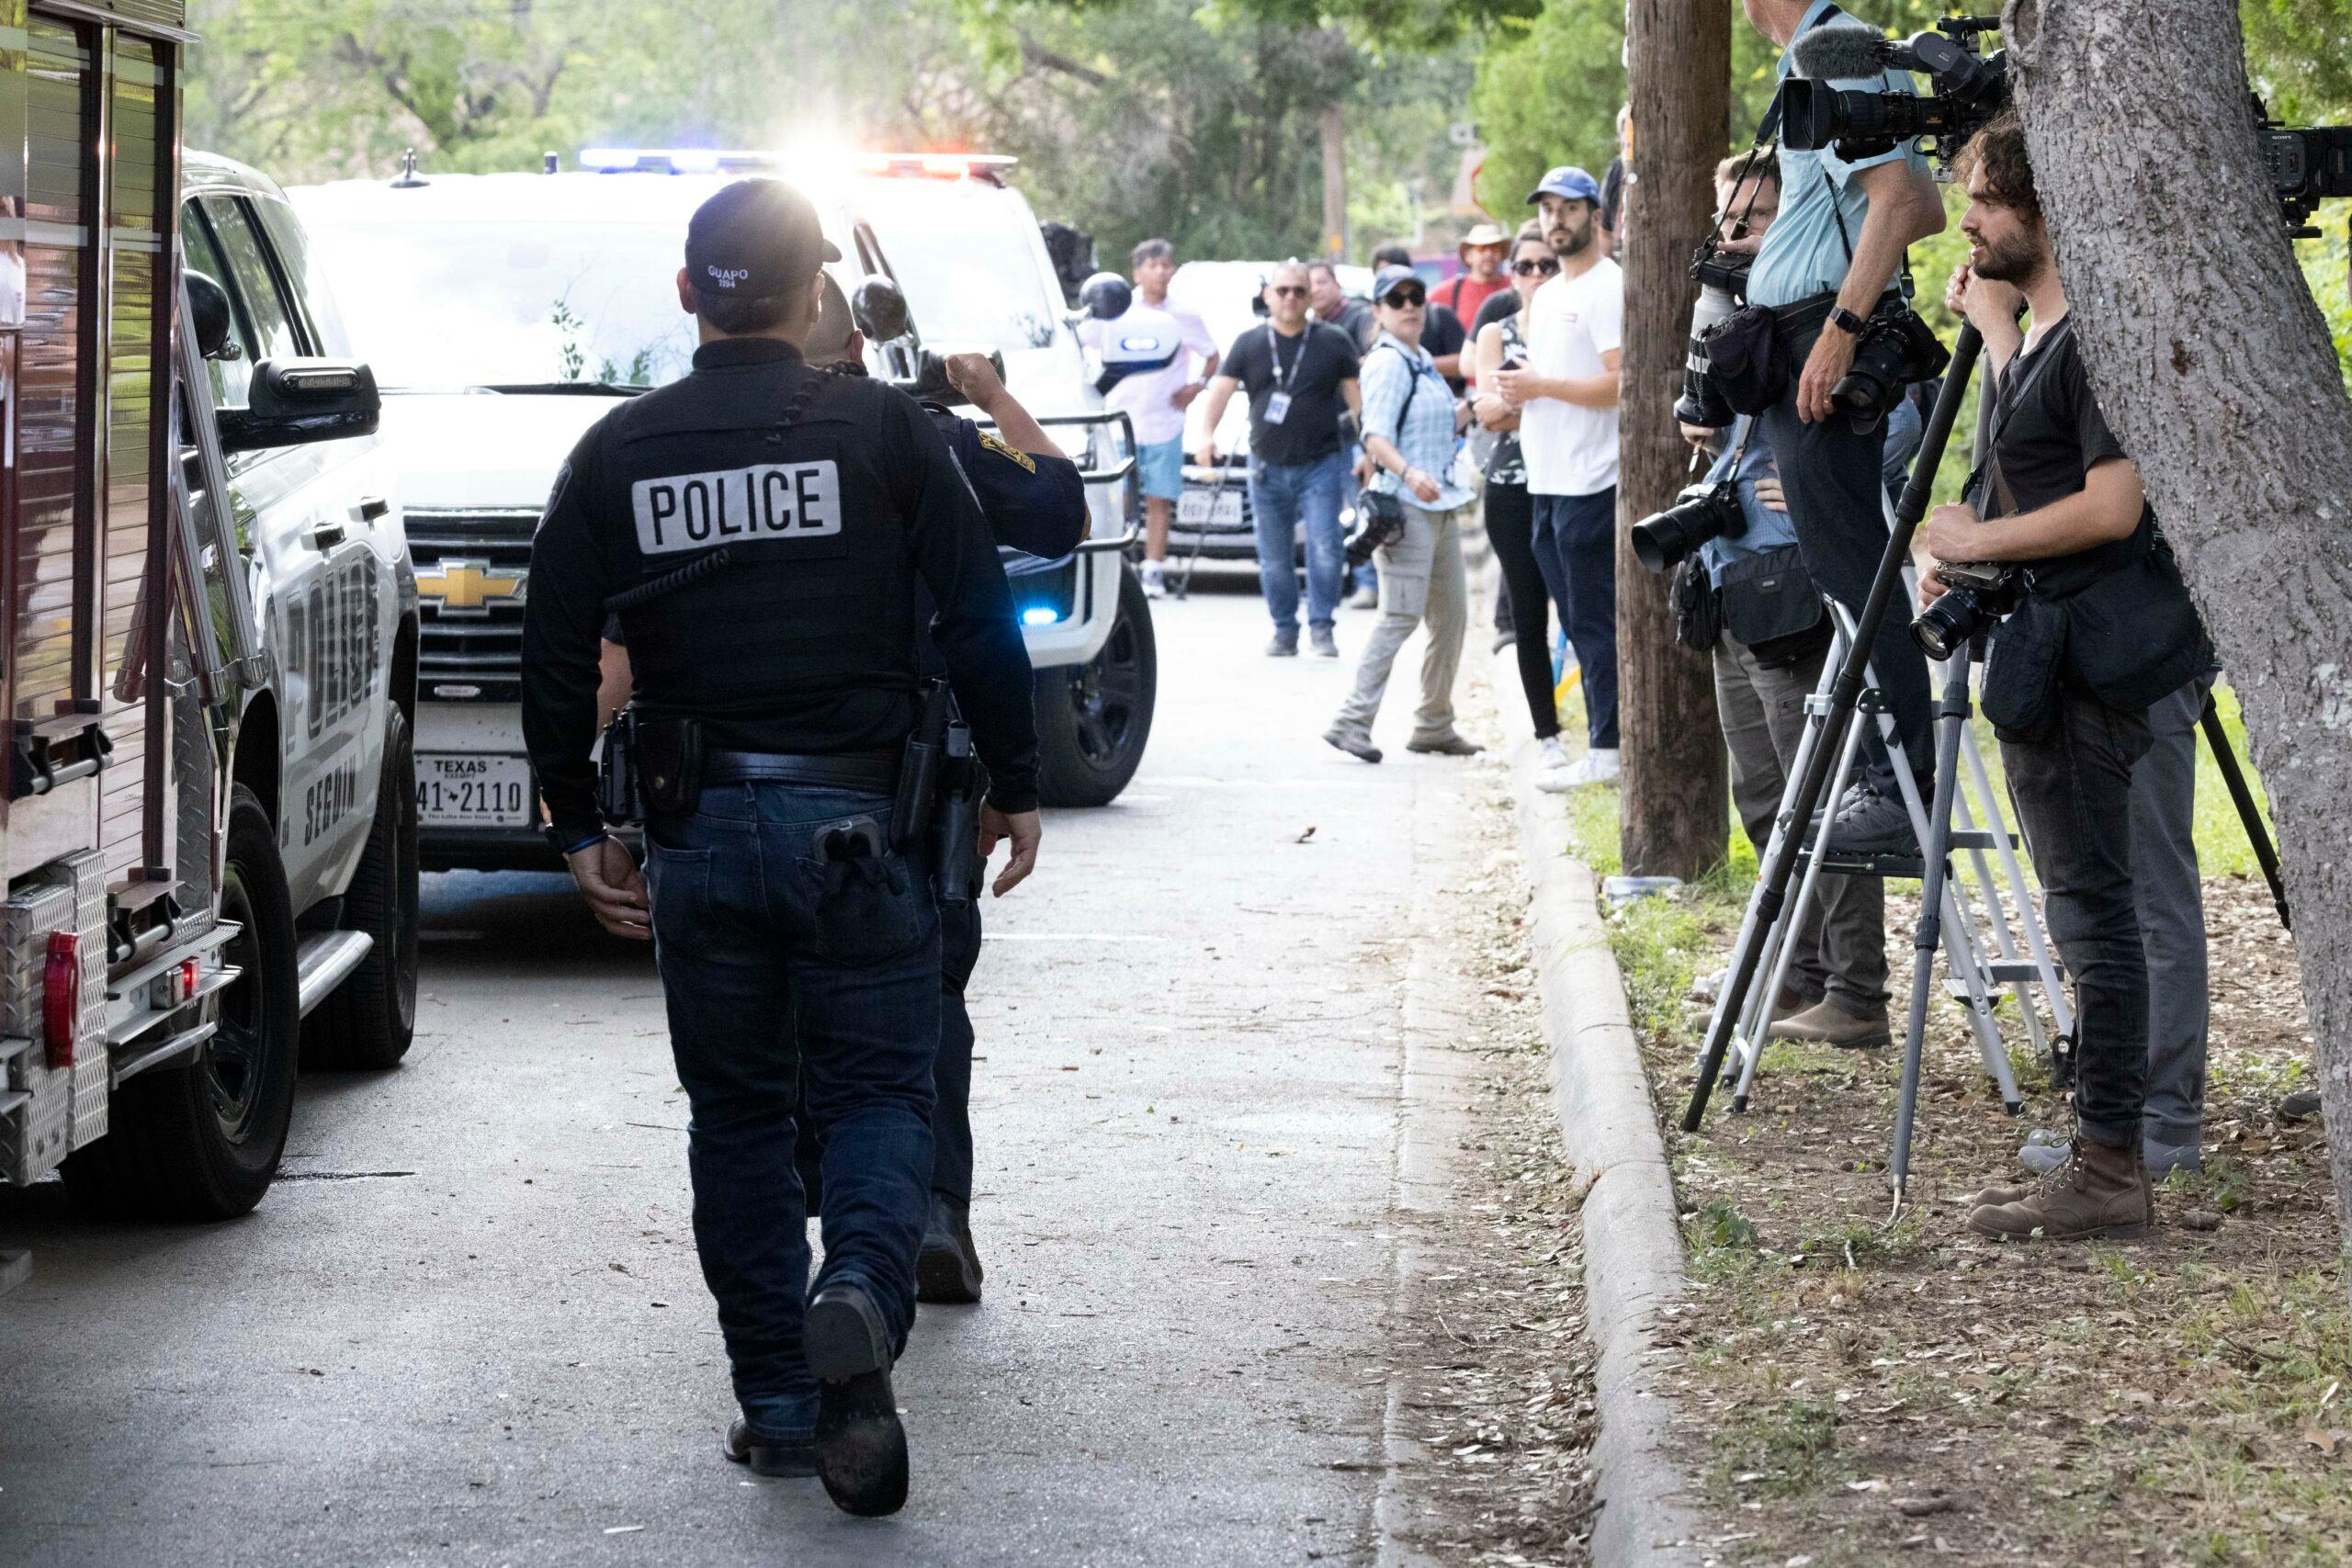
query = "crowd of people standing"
{"x": 1498, "y": 392}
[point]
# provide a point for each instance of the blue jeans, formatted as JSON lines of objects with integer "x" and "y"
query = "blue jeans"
{"x": 1282, "y": 496}
{"x": 798, "y": 986}
{"x": 1576, "y": 549}
{"x": 951, "y": 1117}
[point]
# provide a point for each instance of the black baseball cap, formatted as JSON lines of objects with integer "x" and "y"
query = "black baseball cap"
{"x": 755, "y": 240}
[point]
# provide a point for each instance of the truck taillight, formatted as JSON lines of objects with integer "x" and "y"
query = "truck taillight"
{"x": 61, "y": 996}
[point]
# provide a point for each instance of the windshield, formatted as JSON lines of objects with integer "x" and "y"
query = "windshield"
{"x": 485, "y": 304}
{"x": 966, "y": 258}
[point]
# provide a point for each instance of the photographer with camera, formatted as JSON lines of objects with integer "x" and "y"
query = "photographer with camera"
{"x": 1408, "y": 434}
{"x": 1743, "y": 597}
{"x": 1826, "y": 269}
{"x": 2058, "y": 540}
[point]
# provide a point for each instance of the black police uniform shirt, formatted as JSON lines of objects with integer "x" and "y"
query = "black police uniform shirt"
{"x": 807, "y": 641}
{"x": 2133, "y": 635}
{"x": 1034, "y": 502}
{"x": 1307, "y": 370}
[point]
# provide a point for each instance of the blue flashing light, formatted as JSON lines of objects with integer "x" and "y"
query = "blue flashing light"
{"x": 1040, "y": 615}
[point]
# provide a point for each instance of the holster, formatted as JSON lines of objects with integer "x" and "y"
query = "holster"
{"x": 619, "y": 799}
{"x": 668, "y": 762}
{"x": 911, "y": 812}
{"x": 956, "y": 839}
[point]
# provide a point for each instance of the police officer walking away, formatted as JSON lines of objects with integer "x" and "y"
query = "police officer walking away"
{"x": 763, "y": 526}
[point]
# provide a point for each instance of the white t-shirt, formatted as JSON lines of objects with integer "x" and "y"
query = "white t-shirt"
{"x": 1570, "y": 323}
{"x": 1141, "y": 336}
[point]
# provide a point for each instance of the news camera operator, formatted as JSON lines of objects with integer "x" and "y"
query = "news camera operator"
{"x": 1826, "y": 267}
{"x": 2097, "y": 628}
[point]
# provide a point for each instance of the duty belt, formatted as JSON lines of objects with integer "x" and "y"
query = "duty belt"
{"x": 863, "y": 773}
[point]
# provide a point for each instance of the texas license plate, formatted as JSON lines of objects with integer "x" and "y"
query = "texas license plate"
{"x": 454, "y": 790}
{"x": 1218, "y": 507}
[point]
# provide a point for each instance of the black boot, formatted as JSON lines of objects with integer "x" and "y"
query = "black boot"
{"x": 794, "y": 1457}
{"x": 861, "y": 1448}
{"x": 947, "y": 1269}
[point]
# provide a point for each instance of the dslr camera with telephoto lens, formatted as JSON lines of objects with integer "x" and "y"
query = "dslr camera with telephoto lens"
{"x": 1976, "y": 593}
{"x": 1701, "y": 512}
{"x": 1895, "y": 350}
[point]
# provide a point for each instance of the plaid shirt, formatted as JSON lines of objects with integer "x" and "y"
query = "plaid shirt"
{"x": 1427, "y": 439}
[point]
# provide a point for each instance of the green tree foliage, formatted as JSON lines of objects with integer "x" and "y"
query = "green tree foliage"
{"x": 1132, "y": 118}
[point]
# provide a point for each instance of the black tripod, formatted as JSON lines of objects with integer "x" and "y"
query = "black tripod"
{"x": 1844, "y": 697}
{"x": 2248, "y": 812}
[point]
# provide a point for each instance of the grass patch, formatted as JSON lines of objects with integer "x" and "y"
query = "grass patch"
{"x": 1780, "y": 1452}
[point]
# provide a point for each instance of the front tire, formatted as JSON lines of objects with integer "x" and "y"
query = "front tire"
{"x": 369, "y": 1021}
{"x": 1094, "y": 719}
{"x": 203, "y": 1141}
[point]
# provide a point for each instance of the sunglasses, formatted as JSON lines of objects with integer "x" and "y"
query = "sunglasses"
{"x": 1533, "y": 268}
{"x": 1288, "y": 290}
{"x": 1404, "y": 295}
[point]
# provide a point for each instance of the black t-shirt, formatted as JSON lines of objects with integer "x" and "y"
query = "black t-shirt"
{"x": 2130, "y": 633}
{"x": 1442, "y": 333}
{"x": 2048, "y": 435}
{"x": 1309, "y": 367}
{"x": 1498, "y": 307}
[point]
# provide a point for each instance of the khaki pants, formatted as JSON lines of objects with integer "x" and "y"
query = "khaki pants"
{"x": 1422, "y": 579}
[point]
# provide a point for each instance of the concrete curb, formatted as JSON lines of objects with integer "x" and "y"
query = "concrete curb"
{"x": 1633, "y": 1242}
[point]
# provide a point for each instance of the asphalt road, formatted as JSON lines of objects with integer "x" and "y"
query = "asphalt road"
{"x": 469, "y": 1327}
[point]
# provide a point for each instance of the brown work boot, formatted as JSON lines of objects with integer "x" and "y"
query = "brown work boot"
{"x": 1829, "y": 1023}
{"x": 2097, "y": 1192}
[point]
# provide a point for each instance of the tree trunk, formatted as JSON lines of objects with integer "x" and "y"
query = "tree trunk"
{"x": 1675, "y": 812}
{"x": 2214, "y": 367}
{"x": 1335, "y": 181}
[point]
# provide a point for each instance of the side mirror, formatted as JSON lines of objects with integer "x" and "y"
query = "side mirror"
{"x": 879, "y": 310}
{"x": 292, "y": 402}
{"x": 208, "y": 309}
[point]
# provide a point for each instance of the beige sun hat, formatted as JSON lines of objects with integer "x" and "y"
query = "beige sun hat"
{"x": 1483, "y": 235}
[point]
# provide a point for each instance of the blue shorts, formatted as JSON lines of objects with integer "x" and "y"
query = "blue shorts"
{"x": 1161, "y": 468}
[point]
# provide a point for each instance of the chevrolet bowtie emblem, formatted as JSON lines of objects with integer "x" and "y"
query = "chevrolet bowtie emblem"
{"x": 468, "y": 585}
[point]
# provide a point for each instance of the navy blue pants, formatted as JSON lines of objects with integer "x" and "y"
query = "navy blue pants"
{"x": 1576, "y": 549}
{"x": 799, "y": 989}
{"x": 950, "y": 1116}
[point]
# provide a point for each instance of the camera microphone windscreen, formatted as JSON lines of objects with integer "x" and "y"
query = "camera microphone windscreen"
{"x": 1842, "y": 51}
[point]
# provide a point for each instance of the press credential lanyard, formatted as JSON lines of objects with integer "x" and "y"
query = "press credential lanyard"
{"x": 1278, "y": 401}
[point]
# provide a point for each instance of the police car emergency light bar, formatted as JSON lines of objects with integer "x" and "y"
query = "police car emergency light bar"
{"x": 712, "y": 161}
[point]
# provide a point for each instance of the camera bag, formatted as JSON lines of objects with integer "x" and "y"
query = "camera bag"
{"x": 1770, "y": 601}
{"x": 1746, "y": 359}
{"x": 1380, "y": 514}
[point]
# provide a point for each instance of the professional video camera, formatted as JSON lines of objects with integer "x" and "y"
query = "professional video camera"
{"x": 1969, "y": 88}
{"x": 1976, "y": 595}
{"x": 1701, "y": 512}
{"x": 2307, "y": 165}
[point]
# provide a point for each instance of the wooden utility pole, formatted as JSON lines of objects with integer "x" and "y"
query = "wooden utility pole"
{"x": 1675, "y": 798}
{"x": 2214, "y": 367}
{"x": 1335, "y": 182}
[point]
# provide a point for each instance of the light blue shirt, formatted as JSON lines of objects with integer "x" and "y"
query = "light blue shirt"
{"x": 1427, "y": 438}
{"x": 1802, "y": 253}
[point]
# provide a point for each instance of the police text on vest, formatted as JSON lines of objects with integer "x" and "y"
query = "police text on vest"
{"x": 768, "y": 501}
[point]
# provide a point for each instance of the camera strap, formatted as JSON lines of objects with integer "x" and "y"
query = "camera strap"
{"x": 2007, "y": 399}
